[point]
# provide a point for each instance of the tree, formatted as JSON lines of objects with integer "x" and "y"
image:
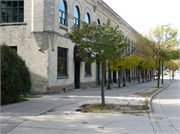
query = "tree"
{"x": 127, "y": 63}
{"x": 102, "y": 42}
{"x": 173, "y": 65}
{"x": 156, "y": 44}
{"x": 15, "y": 76}
{"x": 114, "y": 65}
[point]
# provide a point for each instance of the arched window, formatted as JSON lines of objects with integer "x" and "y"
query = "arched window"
{"x": 76, "y": 16}
{"x": 62, "y": 12}
{"x": 87, "y": 19}
{"x": 98, "y": 21}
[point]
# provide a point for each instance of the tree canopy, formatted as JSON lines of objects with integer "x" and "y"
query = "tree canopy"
{"x": 102, "y": 41}
{"x": 159, "y": 45}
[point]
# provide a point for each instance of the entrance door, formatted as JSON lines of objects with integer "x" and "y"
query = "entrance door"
{"x": 77, "y": 75}
{"x": 128, "y": 75}
{"x": 97, "y": 73}
{"x": 114, "y": 76}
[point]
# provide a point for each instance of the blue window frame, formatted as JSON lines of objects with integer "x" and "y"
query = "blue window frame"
{"x": 12, "y": 11}
{"x": 63, "y": 13}
{"x": 87, "y": 19}
{"x": 76, "y": 16}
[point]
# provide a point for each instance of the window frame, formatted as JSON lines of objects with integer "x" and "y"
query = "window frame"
{"x": 64, "y": 59}
{"x": 89, "y": 19}
{"x": 61, "y": 19}
{"x": 132, "y": 46}
{"x": 88, "y": 67}
{"x": 14, "y": 48}
{"x": 77, "y": 19}
{"x": 12, "y": 16}
{"x": 98, "y": 22}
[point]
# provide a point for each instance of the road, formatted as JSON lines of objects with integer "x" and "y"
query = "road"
{"x": 165, "y": 116}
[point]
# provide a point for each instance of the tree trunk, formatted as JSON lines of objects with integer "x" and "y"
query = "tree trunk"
{"x": 158, "y": 73}
{"x": 124, "y": 78}
{"x": 169, "y": 75}
{"x": 119, "y": 79}
{"x": 102, "y": 86}
{"x": 143, "y": 77}
{"x": 139, "y": 75}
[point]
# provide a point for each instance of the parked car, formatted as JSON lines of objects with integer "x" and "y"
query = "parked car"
{"x": 155, "y": 76}
{"x": 176, "y": 71}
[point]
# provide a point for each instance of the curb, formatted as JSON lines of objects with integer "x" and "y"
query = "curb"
{"x": 154, "y": 94}
{"x": 150, "y": 100}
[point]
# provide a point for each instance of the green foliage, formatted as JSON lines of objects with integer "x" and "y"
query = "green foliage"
{"x": 31, "y": 96}
{"x": 15, "y": 76}
{"x": 145, "y": 107}
{"x": 171, "y": 64}
{"x": 159, "y": 45}
{"x": 105, "y": 41}
{"x": 127, "y": 62}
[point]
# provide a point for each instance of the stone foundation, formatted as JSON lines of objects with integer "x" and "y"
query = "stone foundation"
{"x": 60, "y": 89}
{"x": 87, "y": 85}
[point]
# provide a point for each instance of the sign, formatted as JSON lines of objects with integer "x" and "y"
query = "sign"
{"x": 162, "y": 68}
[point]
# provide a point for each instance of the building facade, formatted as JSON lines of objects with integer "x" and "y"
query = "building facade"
{"x": 37, "y": 28}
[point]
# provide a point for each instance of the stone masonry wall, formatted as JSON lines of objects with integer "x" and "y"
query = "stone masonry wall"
{"x": 20, "y": 35}
{"x": 39, "y": 36}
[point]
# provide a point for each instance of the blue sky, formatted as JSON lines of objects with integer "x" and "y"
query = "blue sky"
{"x": 143, "y": 15}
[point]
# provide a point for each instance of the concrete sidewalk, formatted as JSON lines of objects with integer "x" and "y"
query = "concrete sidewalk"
{"x": 56, "y": 113}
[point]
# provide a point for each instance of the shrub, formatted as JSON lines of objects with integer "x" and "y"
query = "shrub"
{"x": 15, "y": 76}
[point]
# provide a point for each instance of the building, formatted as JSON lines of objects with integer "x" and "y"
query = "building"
{"x": 37, "y": 27}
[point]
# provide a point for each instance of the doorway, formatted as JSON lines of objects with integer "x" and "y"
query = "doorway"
{"x": 114, "y": 76}
{"x": 77, "y": 75}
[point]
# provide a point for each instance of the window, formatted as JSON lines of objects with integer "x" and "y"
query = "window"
{"x": 76, "y": 17}
{"x": 87, "y": 19}
{"x": 12, "y": 11}
{"x": 98, "y": 21}
{"x": 129, "y": 45}
{"x": 132, "y": 46}
{"x": 88, "y": 67}
{"x": 14, "y": 48}
{"x": 62, "y": 13}
{"x": 62, "y": 62}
